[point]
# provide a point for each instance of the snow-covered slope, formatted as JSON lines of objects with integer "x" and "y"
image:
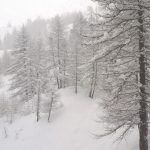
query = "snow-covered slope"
{"x": 71, "y": 128}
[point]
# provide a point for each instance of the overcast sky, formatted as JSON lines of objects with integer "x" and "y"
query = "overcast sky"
{"x": 17, "y": 11}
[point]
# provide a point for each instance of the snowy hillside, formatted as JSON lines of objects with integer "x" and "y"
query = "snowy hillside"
{"x": 71, "y": 128}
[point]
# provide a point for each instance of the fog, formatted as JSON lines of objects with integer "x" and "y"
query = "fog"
{"x": 18, "y": 11}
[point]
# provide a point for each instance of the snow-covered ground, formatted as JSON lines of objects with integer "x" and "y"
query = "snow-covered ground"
{"x": 71, "y": 128}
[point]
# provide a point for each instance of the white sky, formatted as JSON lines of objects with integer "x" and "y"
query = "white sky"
{"x": 17, "y": 11}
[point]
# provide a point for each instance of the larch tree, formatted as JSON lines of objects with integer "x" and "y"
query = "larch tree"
{"x": 52, "y": 94}
{"x": 58, "y": 50}
{"x": 41, "y": 77}
{"x": 77, "y": 48}
{"x": 125, "y": 50}
{"x": 52, "y": 80}
{"x": 90, "y": 68}
{"x": 21, "y": 68}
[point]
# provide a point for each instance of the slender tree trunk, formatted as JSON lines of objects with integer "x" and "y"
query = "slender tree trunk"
{"x": 50, "y": 107}
{"x": 94, "y": 80}
{"x": 76, "y": 71}
{"x": 38, "y": 100}
{"x": 38, "y": 107}
{"x": 143, "y": 125}
{"x": 59, "y": 61}
{"x": 54, "y": 61}
{"x": 64, "y": 70}
{"x": 94, "y": 67}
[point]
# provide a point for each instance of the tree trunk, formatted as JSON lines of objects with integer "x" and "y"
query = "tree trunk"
{"x": 38, "y": 100}
{"x": 59, "y": 61}
{"x": 94, "y": 80}
{"x": 64, "y": 70}
{"x": 50, "y": 107}
{"x": 143, "y": 125}
{"x": 76, "y": 72}
{"x": 38, "y": 107}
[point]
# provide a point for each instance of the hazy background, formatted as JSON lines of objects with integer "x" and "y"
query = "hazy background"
{"x": 16, "y": 12}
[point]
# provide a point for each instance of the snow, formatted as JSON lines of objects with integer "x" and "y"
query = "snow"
{"x": 71, "y": 128}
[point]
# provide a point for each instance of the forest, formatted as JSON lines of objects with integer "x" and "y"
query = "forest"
{"x": 77, "y": 80}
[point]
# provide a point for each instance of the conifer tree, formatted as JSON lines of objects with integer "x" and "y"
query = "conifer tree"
{"x": 22, "y": 69}
{"x": 125, "y": 51}
{"x": 58, "y": 50}
{"x": 90, "y": 68}
{"x": 41, "y": 77}
{"x": 77, "y": 49}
